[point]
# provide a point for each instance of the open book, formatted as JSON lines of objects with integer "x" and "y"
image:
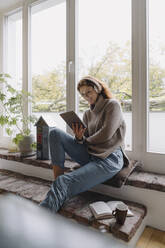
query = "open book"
{"x": 71, "y": 117}
{"x": 103, "y": 210}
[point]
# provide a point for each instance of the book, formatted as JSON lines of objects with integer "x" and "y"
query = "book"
{"x": 71, "y": 117}
{"x": 103, "y": 210}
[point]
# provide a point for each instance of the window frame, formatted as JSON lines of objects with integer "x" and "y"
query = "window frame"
{"x": 139, "y": 73}
{"x": 3, "y": 52}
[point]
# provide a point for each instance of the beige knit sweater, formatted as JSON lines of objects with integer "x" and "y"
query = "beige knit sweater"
{"x": 106, "y": 128}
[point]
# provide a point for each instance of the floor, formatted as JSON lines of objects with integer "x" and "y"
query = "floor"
{"x": 151, "y": 238}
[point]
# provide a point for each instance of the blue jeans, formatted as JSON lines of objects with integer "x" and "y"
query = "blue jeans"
{"x": 93, "y": 170}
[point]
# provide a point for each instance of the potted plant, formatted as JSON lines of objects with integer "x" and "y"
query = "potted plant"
{"x": 12, "y": 115}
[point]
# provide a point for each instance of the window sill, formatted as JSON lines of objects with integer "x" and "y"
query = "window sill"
{"x": 77, "y": 208}
{"x": 140, "y": 179}
{"x": 15, "y": 156}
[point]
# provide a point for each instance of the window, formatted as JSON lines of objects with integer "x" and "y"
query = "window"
{"x": 156, "y": 76}
{"x": 105, "y": 50}
{"x": 119, "y": 41}
{"x": 13, "y": 58}
{"x": 48, "y": 59}
{"x": 13, "y": 55}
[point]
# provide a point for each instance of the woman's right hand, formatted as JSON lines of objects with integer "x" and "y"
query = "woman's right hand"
{"x": 78, "y": 131}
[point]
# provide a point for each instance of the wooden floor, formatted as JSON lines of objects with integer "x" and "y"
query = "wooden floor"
{"x": 151, "y": 238}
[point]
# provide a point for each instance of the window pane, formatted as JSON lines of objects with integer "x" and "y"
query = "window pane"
{"x": 156, "y": 76}
{"x": 105, "y": 50}
{"x": 14, "y": 49}
{"x": 13, "y": 55}
{"x": 48, "y": 54}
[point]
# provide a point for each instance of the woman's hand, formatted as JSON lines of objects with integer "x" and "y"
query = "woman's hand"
{"x": 78, "y": 131}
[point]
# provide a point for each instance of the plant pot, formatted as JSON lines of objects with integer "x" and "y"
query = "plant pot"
{"x": 25, "y": 146}
{"x": 12, "y": 147}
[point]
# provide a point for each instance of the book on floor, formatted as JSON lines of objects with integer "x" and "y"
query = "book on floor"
{"x": 103, "y": 210}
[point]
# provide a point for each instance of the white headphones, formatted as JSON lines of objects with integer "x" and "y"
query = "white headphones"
{"x": 97, "y": 86}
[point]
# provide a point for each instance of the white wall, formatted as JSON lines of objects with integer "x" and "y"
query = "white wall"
{"x": 7, "y": 5}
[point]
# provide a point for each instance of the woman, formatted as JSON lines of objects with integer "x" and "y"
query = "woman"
{"x": 98, "y": 148}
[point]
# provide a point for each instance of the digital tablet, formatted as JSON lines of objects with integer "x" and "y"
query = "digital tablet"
{"x": 71, "y": 117}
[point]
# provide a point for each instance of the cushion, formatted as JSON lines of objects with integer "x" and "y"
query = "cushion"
{"x": 120, "y": 178}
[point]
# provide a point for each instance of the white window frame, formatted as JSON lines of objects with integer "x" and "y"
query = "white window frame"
{"x": 1, "y": 62}
{"x": 152, "y": 161}
{"x": 3, "y": 54}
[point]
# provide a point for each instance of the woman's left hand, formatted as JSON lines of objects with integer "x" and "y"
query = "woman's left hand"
{"x": 78, "y": 131}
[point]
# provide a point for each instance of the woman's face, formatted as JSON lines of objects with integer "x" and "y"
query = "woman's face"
{"x": 89, "y": 94}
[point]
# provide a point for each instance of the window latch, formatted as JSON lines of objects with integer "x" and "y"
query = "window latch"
{"x": 70, "y": 66}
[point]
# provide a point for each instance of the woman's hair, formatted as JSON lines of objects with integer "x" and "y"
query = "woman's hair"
{"x": 99, "y": 86}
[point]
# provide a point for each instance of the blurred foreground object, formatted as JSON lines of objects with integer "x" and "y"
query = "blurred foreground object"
{"x": 25, "y": 225}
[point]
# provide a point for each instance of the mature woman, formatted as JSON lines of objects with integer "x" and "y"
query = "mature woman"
{"x": 98, "y": 148}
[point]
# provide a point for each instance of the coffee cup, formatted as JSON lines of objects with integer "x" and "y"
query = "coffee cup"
{"x": 120, "y": 213}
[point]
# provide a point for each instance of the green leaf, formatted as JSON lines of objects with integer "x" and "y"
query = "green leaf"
{"x": 18, "y": 138}
{"x": 9, "y": 131}
{"x": 2, "y": 80}
{"x": 34, "y": 145}
{"x": 13, "y": 121}
{"x": 7, "y": 75}
{"x": 11, "y": 89}
{"x": 2, "y": 97}
{"x": 4, "y": 120}
{"x": 27, "y": 131}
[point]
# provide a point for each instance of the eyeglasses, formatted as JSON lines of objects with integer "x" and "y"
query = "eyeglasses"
{"x": 88, "y": 93}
